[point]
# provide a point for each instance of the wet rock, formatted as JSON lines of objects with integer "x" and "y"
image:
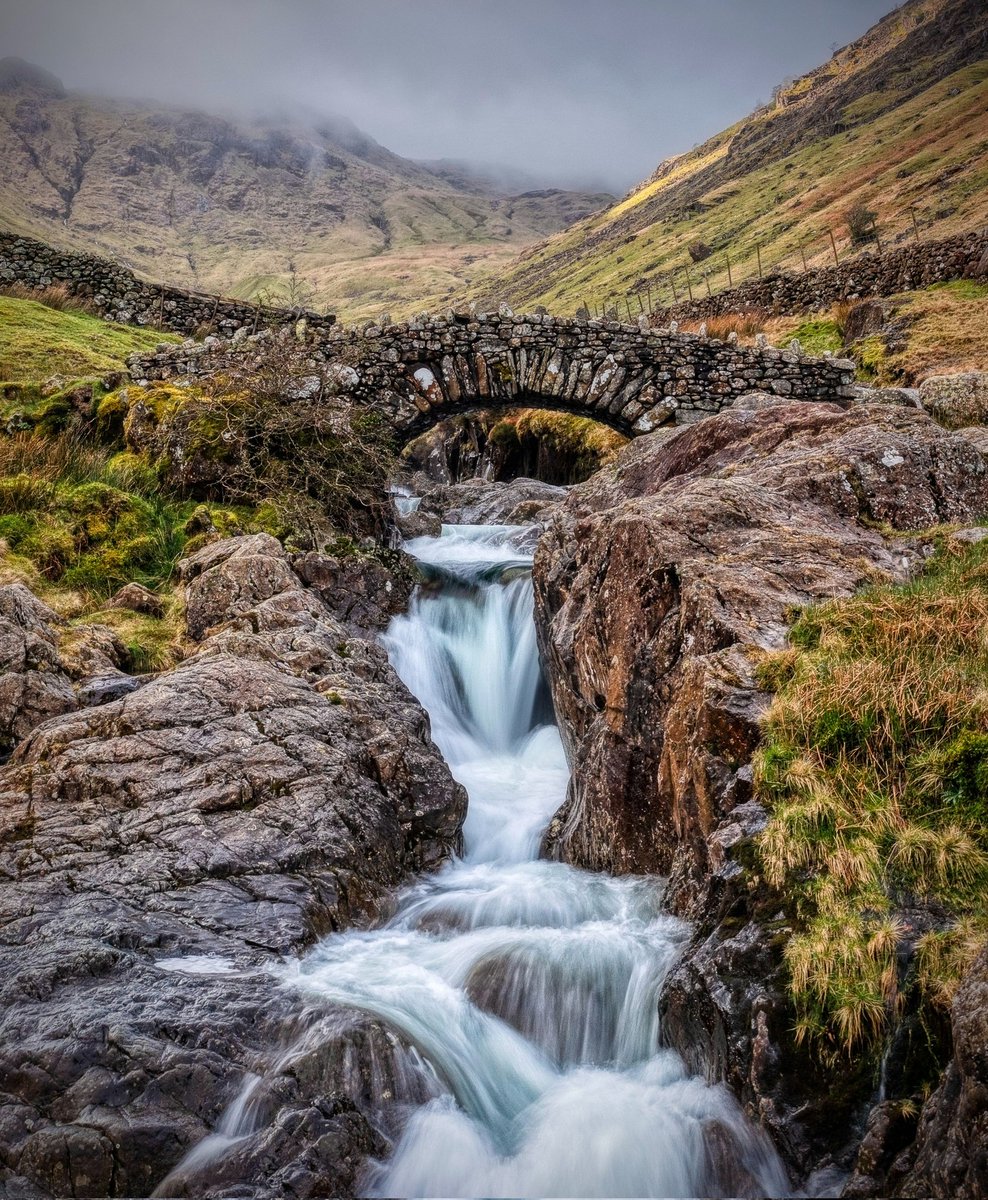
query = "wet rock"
{"x": 362, "y": 591}
{"x": 104, "y": 689}
{"x": 137, "y": 598}
{"x": 34, "y": 684}
{"x": 161, "y": 852}
{"x": 518, "y": 502}
{"x": 956, "y": 400}
{"x": 950, "y": 1157}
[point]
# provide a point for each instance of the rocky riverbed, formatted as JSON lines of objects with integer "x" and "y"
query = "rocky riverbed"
{"x": 166, "y": 840}
{"x": 161, "y": 851}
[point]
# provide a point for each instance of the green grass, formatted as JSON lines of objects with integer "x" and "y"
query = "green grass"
{"x": 875, "y": 769}
{"x": 817, "y": 336}
{"x": 37, "y": 342}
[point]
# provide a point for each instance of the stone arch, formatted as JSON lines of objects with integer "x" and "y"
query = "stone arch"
{"x": 631, "y": 377}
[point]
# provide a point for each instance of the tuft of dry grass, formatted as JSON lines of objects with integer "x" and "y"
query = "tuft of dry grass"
{"x": 875, "y": 767}
{"x": 57, "y": 296}
{"x": 745, "y": 324}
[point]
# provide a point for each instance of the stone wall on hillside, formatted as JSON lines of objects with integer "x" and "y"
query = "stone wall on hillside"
{"x": 118, "y": 295}
{"x": 898, "y": 269}
{"x": 631, "y": 377}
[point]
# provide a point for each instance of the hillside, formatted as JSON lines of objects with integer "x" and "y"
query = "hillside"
{"x": 896, "y": 122}
{"x": 222, "y": 205}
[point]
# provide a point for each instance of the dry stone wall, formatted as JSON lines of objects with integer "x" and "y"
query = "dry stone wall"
{"x": 632, "y": 377}
{"x": 118, "y": 295}
{"x": 898, "y": 269}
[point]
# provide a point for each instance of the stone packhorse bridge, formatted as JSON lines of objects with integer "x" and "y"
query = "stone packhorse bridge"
{"x": 632, "y": 377}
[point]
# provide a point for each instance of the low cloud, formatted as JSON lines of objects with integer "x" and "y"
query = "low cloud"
{"x": 575, "y": 92}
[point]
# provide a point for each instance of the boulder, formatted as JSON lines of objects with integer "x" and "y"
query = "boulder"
{"x": 34, "y": 684}
{"x": 864, "y": 319}
{"x": 977, "y": 435}
{"x": 956, "y": 400}
{"x": 135, "y": 597}
{"x": 161, "y": 853}
{"x": 518, "y": 502}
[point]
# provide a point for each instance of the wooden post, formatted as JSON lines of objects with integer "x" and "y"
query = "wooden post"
{"x": 627, "y": 301}
{"x": 912, "y": 213}
{"x": 706, "y": 280}
{"x": 802, "y": 251}
{"x": 675, "y": 294}
{"x": 689, "y": 284}
{"x": 648, "y": 288}
{"x": 878, "y": 240}
{"x": 758, "y": 251}
{"x": 833, "y": 242}
{"x": 730, "y": 278}
{"x": 161, "y": 309}
{"x": 641, "y": 303}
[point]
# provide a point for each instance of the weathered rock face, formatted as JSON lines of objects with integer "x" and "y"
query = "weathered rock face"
{"x": 33, "y": 682}
{"x": 269, "y": 789}
{"x": 659, "y": 578}
{"x": 659, "y": 585}
{"x": 956, "y": 400}
{"x": 950, "y": 1157}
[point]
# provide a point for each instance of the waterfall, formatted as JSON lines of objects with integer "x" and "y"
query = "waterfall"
{"x": 527, "y": 991}
{"x": 530, "y": 988}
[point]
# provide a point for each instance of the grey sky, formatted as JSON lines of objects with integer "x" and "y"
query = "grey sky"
{"x": 572, "y": 90}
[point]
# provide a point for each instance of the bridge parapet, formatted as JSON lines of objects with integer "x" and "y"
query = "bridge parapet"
{"x": 631, "y": 377}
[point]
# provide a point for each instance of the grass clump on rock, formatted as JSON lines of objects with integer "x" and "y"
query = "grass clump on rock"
{"x": 875, "y": 767}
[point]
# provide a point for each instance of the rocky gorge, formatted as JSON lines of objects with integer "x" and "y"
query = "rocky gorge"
{"x": 661, "y": 585}
{"x": 172, "y": 837}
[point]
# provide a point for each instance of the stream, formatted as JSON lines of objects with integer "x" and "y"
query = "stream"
{"x": 529, "y": 988}
{"x": 527, "y": 991}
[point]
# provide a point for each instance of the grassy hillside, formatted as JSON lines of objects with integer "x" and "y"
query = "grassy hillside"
{"x": 222, "y": 205}
{"x": 894, "y": 122}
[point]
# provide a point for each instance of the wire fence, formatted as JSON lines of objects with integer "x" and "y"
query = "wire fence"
{"x": 700, "y": 272}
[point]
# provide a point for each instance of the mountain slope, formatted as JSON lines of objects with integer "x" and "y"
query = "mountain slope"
{"x": 223, "y": 205}
{"x": 896, "y": 119}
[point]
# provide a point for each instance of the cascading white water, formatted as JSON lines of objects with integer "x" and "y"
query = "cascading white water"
{"x": 529, "y": 987}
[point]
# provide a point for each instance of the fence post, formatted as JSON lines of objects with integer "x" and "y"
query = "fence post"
{"x": 730, "y": 278}
{"x": 648, "y": 288}
{"x": 912, "y": 213}
{"x": 833, "y": 242}
{"x": 675, "y": 294}
{"x": 758, "y": 251}
{"x": 641, "y": 303}
{"x": 706, "y": 280}
{"x": 627, "y": 301}
{"x": 689, "y": 284}
{"x": 802, "y": 251}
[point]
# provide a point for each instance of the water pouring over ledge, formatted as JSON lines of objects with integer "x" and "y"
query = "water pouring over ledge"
{"x": 529, "y": 989}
